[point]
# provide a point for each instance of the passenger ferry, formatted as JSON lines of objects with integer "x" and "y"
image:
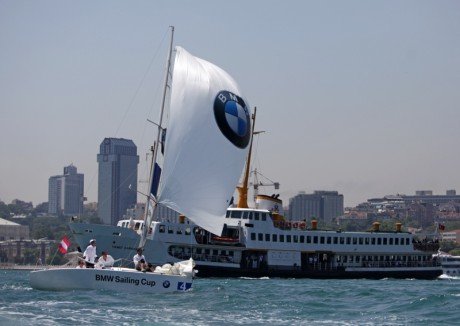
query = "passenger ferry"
{"x": 261, "y": 242}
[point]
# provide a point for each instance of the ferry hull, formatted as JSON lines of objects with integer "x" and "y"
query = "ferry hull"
{"x": 213, "y": 271}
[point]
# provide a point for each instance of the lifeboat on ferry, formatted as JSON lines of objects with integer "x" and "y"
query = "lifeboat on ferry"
{"x": 224, "y": 240}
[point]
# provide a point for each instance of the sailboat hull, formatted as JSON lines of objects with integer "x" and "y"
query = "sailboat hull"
{"x": 118, "y": 279}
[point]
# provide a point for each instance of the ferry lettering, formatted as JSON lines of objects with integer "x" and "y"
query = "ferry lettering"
{"x": 146, "y": 282}
{"x": 104, "y": 278}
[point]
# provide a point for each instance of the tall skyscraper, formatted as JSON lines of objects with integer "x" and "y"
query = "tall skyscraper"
{"x": 65, "y": 192}
{"x": 117, "y": 185}
{"x": 323, "y": 205}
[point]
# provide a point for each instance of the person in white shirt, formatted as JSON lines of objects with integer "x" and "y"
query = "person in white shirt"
{"x": 81, "y": 264}
{"x": 90, "y": 254}
{"x": 139, "y": 260}
{"x": 105, "y": 260}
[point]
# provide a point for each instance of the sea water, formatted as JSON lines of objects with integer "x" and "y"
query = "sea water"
{"x": 239, "y": 301}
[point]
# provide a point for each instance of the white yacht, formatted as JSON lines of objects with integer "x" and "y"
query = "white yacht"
{"x": 450, "y": 264}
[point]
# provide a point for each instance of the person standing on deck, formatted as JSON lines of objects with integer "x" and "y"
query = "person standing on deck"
{"x": 90, "y": 254}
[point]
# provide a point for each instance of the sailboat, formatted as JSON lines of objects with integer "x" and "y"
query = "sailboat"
{"x": 205, "y": 144}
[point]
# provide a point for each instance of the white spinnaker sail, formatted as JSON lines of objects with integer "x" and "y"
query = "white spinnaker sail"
{"x": 206, "y": 141}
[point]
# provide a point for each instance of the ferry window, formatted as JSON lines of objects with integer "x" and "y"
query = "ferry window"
{"x": 198, "y": 250}
{"x": 215, "y": 252}
{"x": 296, "y": 238}
{"x": 207, "y": 251}
{"x": 179, "y": 231}
{"x": 407, "y": 241}
{"x": 281, "y": 237}
{"x": 236, "y": 214}
{"x": 379, "y": 241}
{"x": 288, "y": 238}
{"x": 348, "y": 240}
{"x": 249, "y": 216}
{"x": 360, "y": 241}
{"x": 187, "y": 231}
{"x": 162, "y": 229}
{"x": 230, "y": 253}
{"x": 396, "y": 241}
{"x": 373, "y": 241}
{"x": 275, "y": 237}
{"x": 228, "y": 214}
{"x": 321, "y": 239}
{"x": 256, "y": 216}
{"x": 342, "y": 240}
{"x": 384, "y": 241}
{"x": 308, "y": 239}
{"x": 391, "y": 241}
{"x": 302, "y": 239}
{"x": 336, "y": 240}
{"x": 357, "y": 259}
{"x": 170, "y": 229}
{"x": 253, "y": 236}
{"x": 355, "y": 240}
{"x": 267, "y": 237}
{"x": 351, "y": 259}
{"x": 136, "y": 226}
{"x": 345, "y": 259}
{"x": 260, "y": 237}
{"x": 366, "y": 241}
{"x": 329, "y": 240}
{"x": 315, "y": 239}
{"x": 264, "y": 217}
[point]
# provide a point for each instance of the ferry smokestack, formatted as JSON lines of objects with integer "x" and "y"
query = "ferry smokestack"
{"x": 314, "y": 224}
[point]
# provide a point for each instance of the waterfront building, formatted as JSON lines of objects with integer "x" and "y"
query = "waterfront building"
{"x": 34, "y": 252}
{"x": 65, "y": 192}
{"x": 13, "y": 231}
{"x": 323, "y": 205}
{"x": 453, "y": 236}
{"x": 117, "y": 181}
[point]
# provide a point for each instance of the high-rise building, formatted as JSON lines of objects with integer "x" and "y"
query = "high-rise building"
{"x": 65, "y": 192}
{"x": 117, "y": 185}
{"x": 323, "y": 205}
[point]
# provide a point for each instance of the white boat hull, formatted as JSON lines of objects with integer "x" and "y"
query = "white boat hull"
{"x": 118, "y": 279}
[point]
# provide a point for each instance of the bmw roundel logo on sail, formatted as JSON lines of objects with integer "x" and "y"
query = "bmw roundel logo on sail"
{"x": 232, "y": 117}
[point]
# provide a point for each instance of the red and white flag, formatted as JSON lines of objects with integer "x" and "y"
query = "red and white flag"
{"x": 64, "y": 245}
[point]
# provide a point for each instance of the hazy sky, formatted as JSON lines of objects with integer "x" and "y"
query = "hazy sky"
{"x": 362, "y": 97}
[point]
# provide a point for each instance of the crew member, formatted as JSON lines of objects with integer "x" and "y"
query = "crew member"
{"x": 139, "y": 260}
{"x": 90, "y": 254}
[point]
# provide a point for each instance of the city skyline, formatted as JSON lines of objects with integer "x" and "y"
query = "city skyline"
{"x": 359, "y": 98}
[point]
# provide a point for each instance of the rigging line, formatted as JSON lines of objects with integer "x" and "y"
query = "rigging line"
{"x": 140, "y": 84}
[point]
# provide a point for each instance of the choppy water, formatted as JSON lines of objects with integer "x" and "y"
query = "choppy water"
{"x": 239, "y": 301}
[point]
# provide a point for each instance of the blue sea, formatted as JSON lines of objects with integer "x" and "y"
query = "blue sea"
{"x": 239, "y": 301}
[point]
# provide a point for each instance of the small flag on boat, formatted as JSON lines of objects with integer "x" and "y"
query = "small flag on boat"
{"x": 64, "y": 245}
{"x": 441, "y": 227}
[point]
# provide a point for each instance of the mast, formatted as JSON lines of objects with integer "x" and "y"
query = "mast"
{"x": 243, "y": 189}
{"x": 148, "y": 217}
